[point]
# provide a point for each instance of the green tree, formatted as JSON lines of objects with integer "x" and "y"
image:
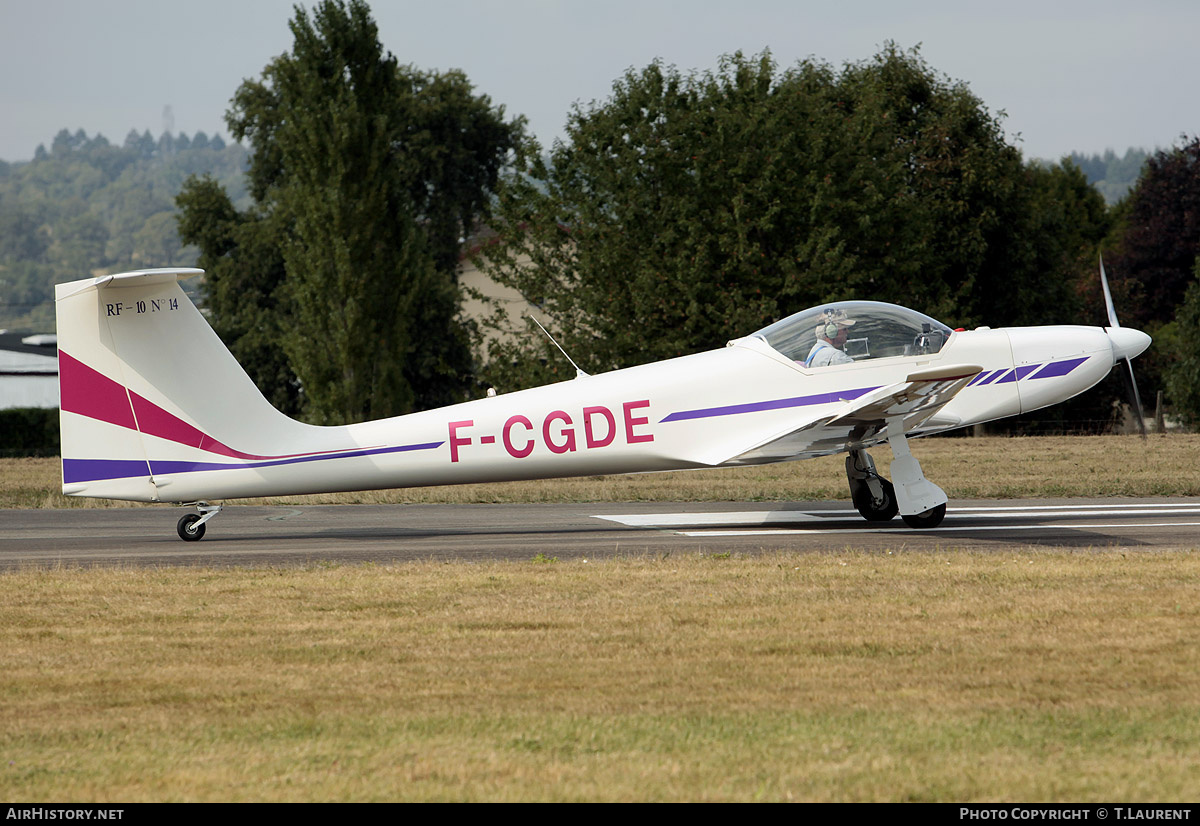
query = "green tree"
{"x": 23, "y": 235}
{"x": 1160, "y": 234}
{"x": 79, "y": 243}
{"x": 1112, "y": 175}
{"x": 1182, "y": 374}
{"x": 241, "y": 255}
{"x": 461, "y": 143}
{"x": 1045, "y": 253}
{"x": 77, "y": 212}
{"x": 366, "y": 174}
{"x": 689, "y": 209}
{"x": 355, "y": 264}
{"x": 156, "y": 244}
{"x": 1150, "y": 259}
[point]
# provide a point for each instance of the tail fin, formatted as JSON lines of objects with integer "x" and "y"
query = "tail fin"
{"x": 148, "y": 390}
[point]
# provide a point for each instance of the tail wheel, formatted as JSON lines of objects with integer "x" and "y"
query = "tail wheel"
{"x": 872, "y": 509}
{"x": 189, "y": 531}
{"x": 929, "y": 519}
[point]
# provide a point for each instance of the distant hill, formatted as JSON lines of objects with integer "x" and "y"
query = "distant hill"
{"x": 86, "y": 206}
{"x": 1113, "y": 175}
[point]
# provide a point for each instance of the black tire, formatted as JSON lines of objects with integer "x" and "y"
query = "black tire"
{"x": 187, "y": 532}
{"x": 874, "y": 511}
{"x": 929, "y": 519}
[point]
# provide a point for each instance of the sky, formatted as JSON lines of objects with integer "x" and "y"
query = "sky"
{"x": 1068, "y": 76}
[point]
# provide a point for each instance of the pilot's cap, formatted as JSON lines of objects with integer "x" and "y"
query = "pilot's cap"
{"x": 831, "y": 323}
{"x": 837, "y": 317}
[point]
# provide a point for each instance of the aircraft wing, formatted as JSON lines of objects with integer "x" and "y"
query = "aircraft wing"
{"x": 863, "y": 421}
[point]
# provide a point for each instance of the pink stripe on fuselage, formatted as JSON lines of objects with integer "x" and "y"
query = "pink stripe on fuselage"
{"x": 90, "y": 393}
{"x": 154, "y": 421}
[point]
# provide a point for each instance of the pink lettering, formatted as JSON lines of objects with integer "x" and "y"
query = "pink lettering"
{"x": 590, "y": 434}
{"x": 456, "y": 440}
{"x": 631, "y": 422}
{"x": 569, "y": 444}
{"x": 522, "y": 452}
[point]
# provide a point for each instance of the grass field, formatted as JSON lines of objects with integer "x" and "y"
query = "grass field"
{"x": 946, "y": 676}
{"x": 846, "y": 675}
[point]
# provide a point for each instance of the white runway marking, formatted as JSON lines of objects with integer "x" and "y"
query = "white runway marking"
{"x": 943, "y": 528}
{"x": 1130, "y": 506}
{"x": 755, "y": 523}
{"x": 695, "y": 520}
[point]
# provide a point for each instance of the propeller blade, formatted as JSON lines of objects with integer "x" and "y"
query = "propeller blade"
{"x": 1127, "y": 343}
{"x": 1108, "y": 302}
{"x": 1135, "y": 398}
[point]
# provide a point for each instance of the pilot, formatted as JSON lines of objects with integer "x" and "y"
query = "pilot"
{"x": 831, "y": 340}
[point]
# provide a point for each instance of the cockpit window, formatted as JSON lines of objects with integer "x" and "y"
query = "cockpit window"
{"x": 870, "y": 330}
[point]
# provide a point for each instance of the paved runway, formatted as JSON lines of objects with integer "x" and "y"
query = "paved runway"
{"x": 394, "y": 533}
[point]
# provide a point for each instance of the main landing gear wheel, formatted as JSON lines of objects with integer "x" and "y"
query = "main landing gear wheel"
{"x": 929, "y": 519}
{"x": 873, "y": 496}
{"x": 189, "y": 531}
{"x": 876, "y": 509}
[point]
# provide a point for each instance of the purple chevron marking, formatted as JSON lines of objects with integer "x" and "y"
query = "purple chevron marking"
{"x": 1018, "y": 373}
{"x": 1058, "y": 368}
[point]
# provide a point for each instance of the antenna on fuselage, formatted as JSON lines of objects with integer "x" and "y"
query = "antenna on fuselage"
{"x": 578, "y": 373}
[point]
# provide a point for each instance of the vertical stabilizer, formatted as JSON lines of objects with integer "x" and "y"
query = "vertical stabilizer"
{"x": 149, "y": 389}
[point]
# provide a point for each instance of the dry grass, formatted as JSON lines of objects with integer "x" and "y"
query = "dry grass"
{"x": 967, "y": 468}
{"x": 949, "y": 676}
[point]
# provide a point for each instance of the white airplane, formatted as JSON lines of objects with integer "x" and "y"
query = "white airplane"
{"x": 156, "y": 409}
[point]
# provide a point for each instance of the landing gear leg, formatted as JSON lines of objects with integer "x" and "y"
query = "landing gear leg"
{"x": 191, "y": 525}
{"x": 873, "y": 496}
{"x": 922, "y": 503}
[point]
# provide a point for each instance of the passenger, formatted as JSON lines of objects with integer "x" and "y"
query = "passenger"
{"x": 831, "y": 340}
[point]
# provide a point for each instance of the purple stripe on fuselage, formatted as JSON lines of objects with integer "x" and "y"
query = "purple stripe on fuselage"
{"x": 1058, "y": 368}
{"x": 991, "y": 377}
{"x": 165, "y": 467}
{"x": 94, "y": 470}
{"x": 773, "y": 404}
{"x": 1006, "y": 375}
{"x": 1018, "y": 373}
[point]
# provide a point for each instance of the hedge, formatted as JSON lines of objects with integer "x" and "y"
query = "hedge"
{"x": 29, "y": 431}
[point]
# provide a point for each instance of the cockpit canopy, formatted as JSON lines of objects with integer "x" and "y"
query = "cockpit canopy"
{"x": 878, "y": 331}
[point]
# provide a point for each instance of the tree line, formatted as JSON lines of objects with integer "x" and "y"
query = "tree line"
{"x": 686, "y": 209}
{"x": 85, "y": 206}
{"x": 1113, "y": 175}
{"x": 691, "y": 208}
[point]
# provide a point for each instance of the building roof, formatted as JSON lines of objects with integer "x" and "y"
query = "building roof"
{"x": 20, "y": 356}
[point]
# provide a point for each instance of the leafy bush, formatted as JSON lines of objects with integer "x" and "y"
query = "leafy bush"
{"x": 29, "y": 431}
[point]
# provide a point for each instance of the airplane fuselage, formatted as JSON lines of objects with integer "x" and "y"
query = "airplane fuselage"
{"x": 741, "y": 404}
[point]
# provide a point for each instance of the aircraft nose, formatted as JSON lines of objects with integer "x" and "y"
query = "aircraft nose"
{"x": 1126, "y": 343}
